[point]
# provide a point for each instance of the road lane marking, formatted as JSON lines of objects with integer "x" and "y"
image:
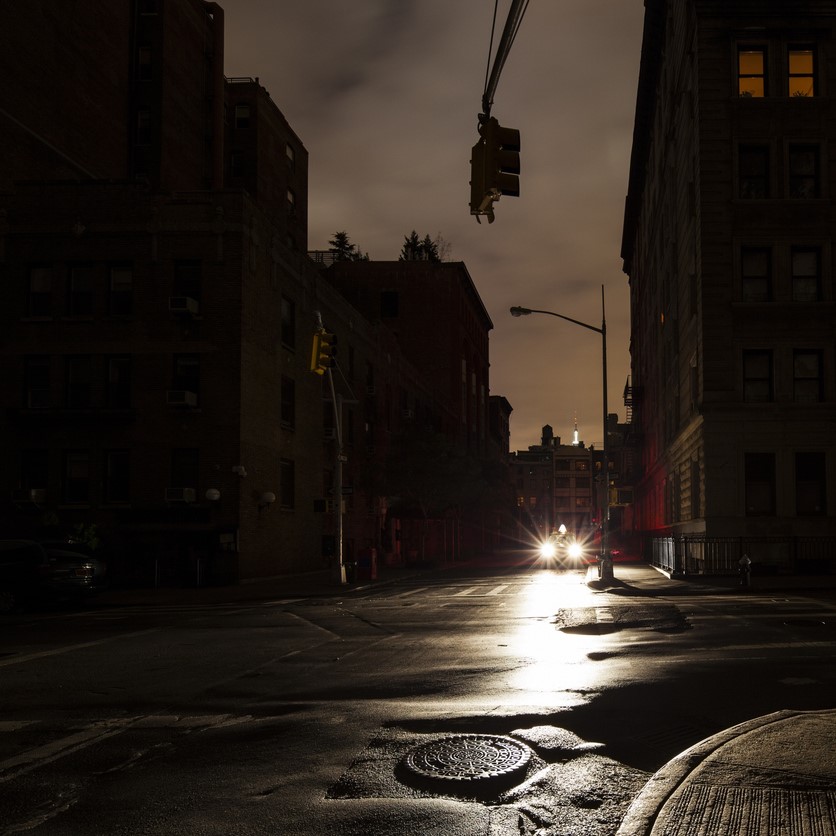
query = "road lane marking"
{"x": 465, "y": 592}
{"x": 497, "y": 589}
{"x": 58, "y": 651}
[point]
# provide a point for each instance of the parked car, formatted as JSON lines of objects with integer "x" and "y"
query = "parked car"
{"x": 32, "y": 572}
{"x": 74, "y": 570}
{"x": 24, "y": 567}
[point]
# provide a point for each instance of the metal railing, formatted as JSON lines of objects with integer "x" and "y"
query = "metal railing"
{"x": 698, "y": 555}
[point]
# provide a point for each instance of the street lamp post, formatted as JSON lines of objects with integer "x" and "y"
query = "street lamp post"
{"x": 605, "y": 570}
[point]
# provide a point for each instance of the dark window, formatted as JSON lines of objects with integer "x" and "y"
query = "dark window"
{"x": 757, "y": 376}
{"x": 143, "y": 127}
{"x": 753, "y": 161}
{"x": 808, "y": 380}
{"x": 756, "y": 274}
{"x": 186, "y": 374}
{"x": 40, "y": 291}
{"x": 287, "y": 473}
{"x": 242, "y": 115}
{"x": 76, "y": 477}
{"x": 185, "y": 467}
{"x": 810, "y": 484}
{"x": 388, "y": 303}
{"x": 751, "y": 71}
{"x": 120, "y": 301}
{"x": 288, "y": 406}
{"x": 79, "y": 382}
{"x": 237, "y": 164}
{"x": 143, "y": 62}
{"x": 117, "y": 467}
{"x": 288, "y": 322}
{"x": 81, "y": 290}
{"x": 806, "y": 274}
{"x": 291, "y": 157}
{"x": 188, "y": 279}
{"x": 291, "y": 201}
{"x": 34, "y": 469}
{"x": 804, "y": 178}
{"x": 760, "y": 484}
{"x": 118, "y": 383}
{"x": 36, "y": 382}
{"x": 801, "y": 71}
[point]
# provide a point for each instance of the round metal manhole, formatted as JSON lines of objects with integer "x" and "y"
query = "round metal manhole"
{"x": 466, "y": 758}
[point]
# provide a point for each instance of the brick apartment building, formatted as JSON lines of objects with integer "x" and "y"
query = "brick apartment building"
{"x": 158, "y": 306}
{"x": 728, "y": 244}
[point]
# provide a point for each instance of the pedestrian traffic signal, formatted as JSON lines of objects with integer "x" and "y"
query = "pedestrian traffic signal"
{"x": 323, "y": 351}
{"x": 494, "y": 167}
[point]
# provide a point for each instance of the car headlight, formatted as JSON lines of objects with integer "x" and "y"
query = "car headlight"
{"x": 547, "y": 550}
{"x": 575, "y": 551}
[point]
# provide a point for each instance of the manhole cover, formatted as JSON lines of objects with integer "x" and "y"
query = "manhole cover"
{"x": 466, "y": 758}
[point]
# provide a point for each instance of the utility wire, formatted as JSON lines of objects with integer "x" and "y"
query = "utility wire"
{"x": 509, "y": 33}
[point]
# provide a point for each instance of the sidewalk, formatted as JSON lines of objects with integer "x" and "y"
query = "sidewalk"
{"x": 769, "y": 776}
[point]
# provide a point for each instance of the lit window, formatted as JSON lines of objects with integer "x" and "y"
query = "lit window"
{"x": 756, "y": 274}
{"x": 808, "y": 381}
{"x": 806, "y": 274}
{"x": 801, "y": 71}
{"x": 751, "y": 71}
{"x": 757, "y": 376}
{"x": 804, "y": 171}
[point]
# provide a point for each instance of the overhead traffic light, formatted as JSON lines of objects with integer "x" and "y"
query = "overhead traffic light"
{"x": 323, "y": 351}
{"x": 494, "y": 167}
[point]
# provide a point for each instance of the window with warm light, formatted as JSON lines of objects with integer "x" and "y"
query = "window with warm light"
{"x": 751, "y": 72}
{"x": 801, "y": 71}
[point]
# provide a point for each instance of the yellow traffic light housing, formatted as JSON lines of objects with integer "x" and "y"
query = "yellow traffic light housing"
{"x": 323, "y": 351}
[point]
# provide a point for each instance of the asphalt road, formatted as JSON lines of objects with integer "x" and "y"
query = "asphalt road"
{"x": 294, "y": 716}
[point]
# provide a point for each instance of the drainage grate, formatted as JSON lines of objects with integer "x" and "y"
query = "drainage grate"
{"x": 467, "y": 758}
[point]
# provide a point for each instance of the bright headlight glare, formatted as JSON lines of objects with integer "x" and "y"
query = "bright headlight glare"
{"x": 575, "y": 550}
{"x": 547, "y": 550}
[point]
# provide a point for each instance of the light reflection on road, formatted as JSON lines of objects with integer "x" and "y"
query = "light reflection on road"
{"x": 552, "y": 663}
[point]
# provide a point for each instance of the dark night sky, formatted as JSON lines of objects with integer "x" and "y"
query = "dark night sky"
{"x": 385, "y": 94}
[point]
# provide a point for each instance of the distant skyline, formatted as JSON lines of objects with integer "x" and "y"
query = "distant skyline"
{"x": 385, "y": 97}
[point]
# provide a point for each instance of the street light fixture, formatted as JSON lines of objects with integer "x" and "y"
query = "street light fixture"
{"x": 605, "y": 563}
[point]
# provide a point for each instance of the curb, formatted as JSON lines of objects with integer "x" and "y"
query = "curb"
{"x": 646, "y": 806}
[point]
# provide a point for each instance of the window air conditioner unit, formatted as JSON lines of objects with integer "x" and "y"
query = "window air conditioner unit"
{"x": 181, "y": 397}
{"x": 183, "y": 305}
{"x": 180, "y": 494}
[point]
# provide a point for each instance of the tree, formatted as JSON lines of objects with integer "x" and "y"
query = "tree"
{"x": 344, "y": 250}
{"x": 423, "y": 249}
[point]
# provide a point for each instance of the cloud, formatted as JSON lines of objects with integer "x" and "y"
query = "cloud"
{"x": 385, "y": 95}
